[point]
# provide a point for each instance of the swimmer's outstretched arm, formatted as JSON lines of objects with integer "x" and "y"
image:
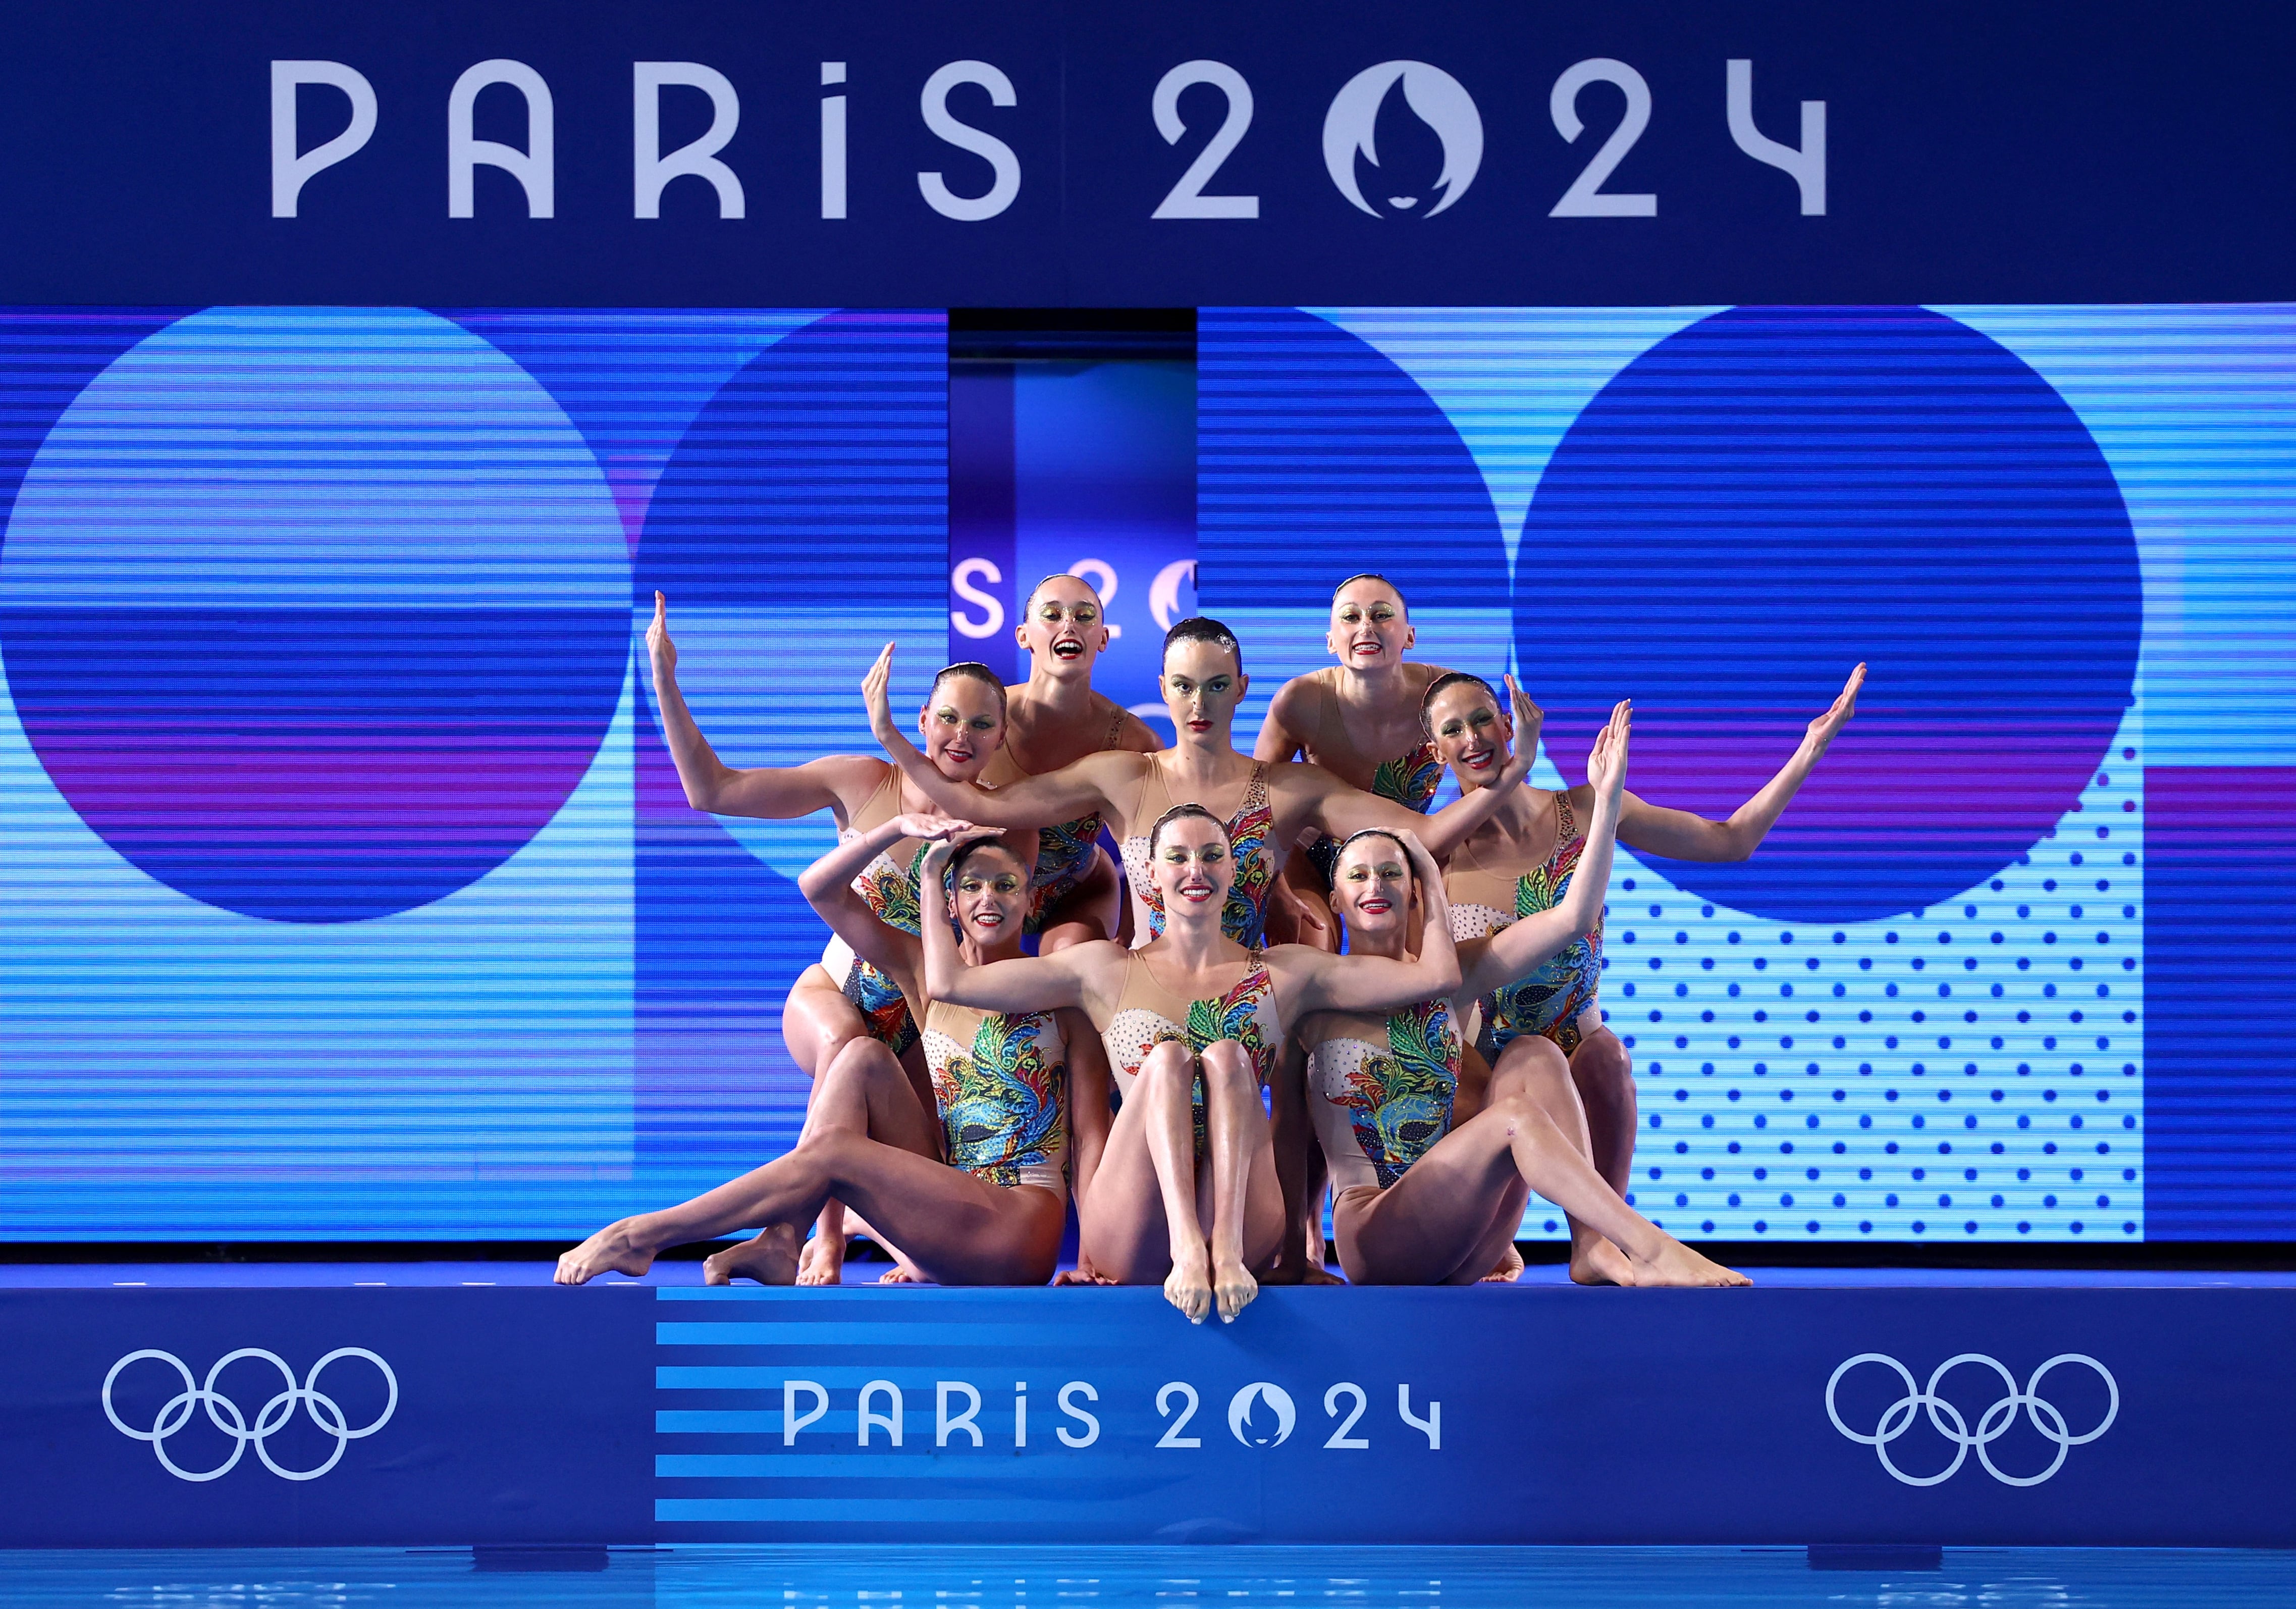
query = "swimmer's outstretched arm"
{"x": 1343, "y": 810}
{"x": 1316, "y": 981}
{"x": 827, "y": 885}
{"x": 833, "y": 783}
{"x": 1032, "y": 801}
{"x": 1520, "y": 948}
{"x": 1075, "y": 977}
{"x": 1679, "y": 835}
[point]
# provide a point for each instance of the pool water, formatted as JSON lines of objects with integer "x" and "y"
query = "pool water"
{"x": 707, "y": 1577}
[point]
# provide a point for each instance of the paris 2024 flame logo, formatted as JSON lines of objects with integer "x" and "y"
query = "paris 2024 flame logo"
{"x": 1441, "y": 102}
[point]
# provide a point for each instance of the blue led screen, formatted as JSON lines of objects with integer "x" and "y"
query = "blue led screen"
{"x": 346, "y": 889}
{"x": 1937, "y": 1003}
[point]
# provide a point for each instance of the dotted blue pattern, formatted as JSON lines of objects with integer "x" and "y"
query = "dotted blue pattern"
{"x": 1972, "y": 1071}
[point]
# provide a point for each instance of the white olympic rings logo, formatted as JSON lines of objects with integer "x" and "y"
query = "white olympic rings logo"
{"x": 224, "y": 1414}
{"x": 1991, "y": 1425}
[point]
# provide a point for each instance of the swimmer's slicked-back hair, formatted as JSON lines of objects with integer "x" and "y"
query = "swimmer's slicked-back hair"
{"x": 1400, "y": 848}
{"x": 972, "y": 671}
{"x": 1182, "y": 812}
{"x": 1372, "y": 575}
{"x": 1451, "y": 679}
{"x": 1202, "y": 628}
{"x": 969, "y": 849}
{"x": 1059, "y": 575}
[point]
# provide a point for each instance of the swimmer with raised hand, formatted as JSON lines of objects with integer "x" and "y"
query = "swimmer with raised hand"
{"x": 1263, "y": 807}
{"x": 1185, "y": 1191}
{"x": 844, "y": 997}
{"x": 1427, "y": 1195}
{"x": 1522, "y": 860}
{"x": 1053, "y": 719}
{"x": 974, "y": 1195}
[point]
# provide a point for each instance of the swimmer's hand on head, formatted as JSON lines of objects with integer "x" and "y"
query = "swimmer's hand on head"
{"x": 943, "y": 836}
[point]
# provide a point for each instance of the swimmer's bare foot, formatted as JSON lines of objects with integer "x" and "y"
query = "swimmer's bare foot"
{"x": 832, "y": 1232}
{"x": 1508, "y": 1268}
{"x": 1189, "y": 1286}
{"x": 769, "y": 1259}
{"x": 821, "y": 1261}
{"x": 900, "y": 1273}
{"x": 1232, "y": 1287}
{"x": 1594, "y": 1260}
{"x": 612, "y": 1248}
{"x": 1672, "y": 1263}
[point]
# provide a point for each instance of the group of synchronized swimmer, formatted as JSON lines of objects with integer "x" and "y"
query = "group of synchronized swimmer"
{"x": 1425, "y": 1042}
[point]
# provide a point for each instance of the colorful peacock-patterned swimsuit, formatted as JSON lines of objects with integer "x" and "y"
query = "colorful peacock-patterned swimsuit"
{"x": 1001, "y": 1082}
{"x": 1380, "y": 1088}
{"x": 1551, "y": 1000}
{"x": 888, "y": 886}
{"x": 1147, "y": 1013}
{"x": 1244, "y": 916}
{"x": 1410, "y": 779}
{"x": 1064, "y": 852}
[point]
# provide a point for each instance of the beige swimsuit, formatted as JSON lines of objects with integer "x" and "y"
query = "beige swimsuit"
{"x": 1243, "y": 917}
{"x": 1001, "y": 1082}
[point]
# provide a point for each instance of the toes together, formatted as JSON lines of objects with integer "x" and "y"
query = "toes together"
{"x": 612, "y": 1250}
{"x": 1189, "y": 1288}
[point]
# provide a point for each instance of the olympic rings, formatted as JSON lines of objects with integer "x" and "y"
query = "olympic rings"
{"x": 1991, "y": 1425}
{"x": 325, "y": 1412}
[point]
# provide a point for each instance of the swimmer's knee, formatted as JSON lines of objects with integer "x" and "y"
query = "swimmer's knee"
{"x": 1602, "y": 1053}
{"x": 1227, "y": 1061}
{"x": 1533, "y": 1056}
{"x": 1522, "y": 1111}
{"x": 830, "y": 1150}
{"x": 1168, "y": 1054}
{"x": 1170, "y": 1064}
{"x": 863, "y": 1056}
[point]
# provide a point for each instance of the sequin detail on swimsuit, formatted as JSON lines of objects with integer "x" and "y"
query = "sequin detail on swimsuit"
{"x": 1550, "y": 999}
{"x": 1243, "y": 916}
{"x": 1065, "y": 854}
{"x": 1003, "y": 1097}
{"x": 884, "y": 1009}
{"x": 1245, "y": 1012}
{"x": 1410, "y": 780}
{"x": 1397, "y": 1100}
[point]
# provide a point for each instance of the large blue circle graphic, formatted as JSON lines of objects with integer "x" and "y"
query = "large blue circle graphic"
{"x": 314, "y": 615}
{"x": 1770, "y": 496}
{"x": 1317, "y": 457}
